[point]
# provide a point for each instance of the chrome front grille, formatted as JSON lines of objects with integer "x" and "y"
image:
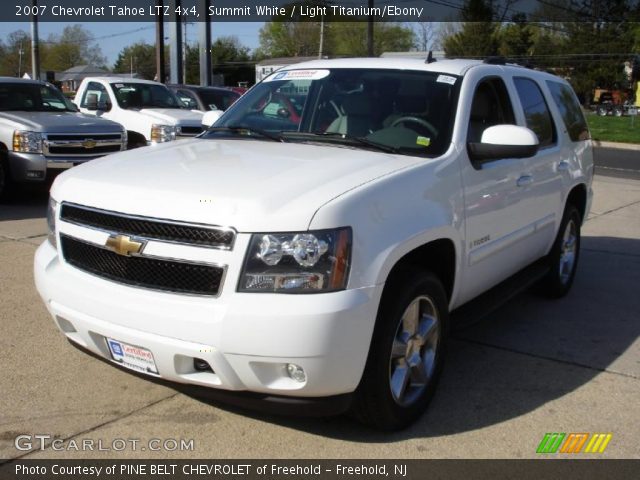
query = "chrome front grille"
{"x": 149, "y": 228}
{"x": 81, "y": 144}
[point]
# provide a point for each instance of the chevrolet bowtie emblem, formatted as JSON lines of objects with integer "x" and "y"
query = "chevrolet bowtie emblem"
{"x": 123, "y": 245}
{"x": 89, "y": 143}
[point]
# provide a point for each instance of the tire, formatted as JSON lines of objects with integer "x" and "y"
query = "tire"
{"x": 5, "y": 178}
{"x": 563, "y": 258}
{"x": 393, "y": 393}
{"x": 617, "y": 112}
{"x": 602, "y": 111}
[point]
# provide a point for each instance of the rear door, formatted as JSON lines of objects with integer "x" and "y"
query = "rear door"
{"x": 541, "y": 182}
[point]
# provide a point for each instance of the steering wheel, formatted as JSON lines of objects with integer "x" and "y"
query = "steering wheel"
{"x": 417, "y": 120}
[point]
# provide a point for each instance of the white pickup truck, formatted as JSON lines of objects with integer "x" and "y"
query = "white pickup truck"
{"x": 149, "y": 111}
{"x": 312, "y": 247}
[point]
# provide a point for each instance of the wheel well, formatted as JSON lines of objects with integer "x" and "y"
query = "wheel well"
{"x": 578, "y": 198}
{"x": 438, "y": 256}
{"x": 135, "y": 139}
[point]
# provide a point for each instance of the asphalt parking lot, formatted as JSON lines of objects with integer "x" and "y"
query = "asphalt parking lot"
{"x": 534, "y": 366}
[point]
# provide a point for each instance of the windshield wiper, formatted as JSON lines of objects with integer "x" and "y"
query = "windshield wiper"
{"x": 240, "y": 129}
{"x": 348, "y": 138}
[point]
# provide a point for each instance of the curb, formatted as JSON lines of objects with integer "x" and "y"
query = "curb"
{"x": 616, "y": 145}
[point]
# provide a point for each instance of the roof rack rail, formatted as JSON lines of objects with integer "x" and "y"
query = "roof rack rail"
{"x": 495, "y": 60}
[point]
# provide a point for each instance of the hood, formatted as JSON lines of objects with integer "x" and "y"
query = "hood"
{"x": 60, "y": 122}
{"x": 251, "y": 185}
{"x": 173, "y": 116}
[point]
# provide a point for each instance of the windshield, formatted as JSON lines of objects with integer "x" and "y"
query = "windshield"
{"x": 144, "y": 95}
{"x": 408, "y": 112}
{"x": 32, "y": 97}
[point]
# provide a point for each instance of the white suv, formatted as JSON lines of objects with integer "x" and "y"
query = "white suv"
{"x": 310, "y": 247}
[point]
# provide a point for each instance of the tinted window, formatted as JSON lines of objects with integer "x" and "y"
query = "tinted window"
{"x": 570, "y": 110}
{"x": 491, "y": 106}
{"x": 536, "y": 112}
{"x": 144, "y": 95}
{"x": 31, "y": 97}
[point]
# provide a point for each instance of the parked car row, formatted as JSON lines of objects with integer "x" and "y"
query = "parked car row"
{"x": 41, "y": 130}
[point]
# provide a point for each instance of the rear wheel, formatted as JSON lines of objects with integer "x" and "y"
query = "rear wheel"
{"x": 563, "y": 258}
{"x": 407, "y": 352}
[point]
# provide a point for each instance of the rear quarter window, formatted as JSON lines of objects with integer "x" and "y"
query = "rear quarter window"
{"x": 569, "y": 108}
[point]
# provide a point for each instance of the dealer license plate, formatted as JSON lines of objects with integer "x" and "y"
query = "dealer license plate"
{"x": 130, "y": 356}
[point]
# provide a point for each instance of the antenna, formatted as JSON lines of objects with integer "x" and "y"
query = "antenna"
{"x": 430, "y": 58}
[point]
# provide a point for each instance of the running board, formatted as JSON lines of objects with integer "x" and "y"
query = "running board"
{"x": 481, "y": 306}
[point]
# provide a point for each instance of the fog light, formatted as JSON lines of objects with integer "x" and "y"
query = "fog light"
{"x": 296, "y": 372}
{"x": 201, "y": 365}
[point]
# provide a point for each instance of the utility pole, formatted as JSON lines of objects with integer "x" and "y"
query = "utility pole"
{"x": 321, "y": 36}
{"x": 35, "y": 48}
{"x": 20, "y": 52}
{"x": 160, "y": 74}
{"x": 175, "y": 45}
{"x": 204, "y": 37}
{"x": 370, "y": 31}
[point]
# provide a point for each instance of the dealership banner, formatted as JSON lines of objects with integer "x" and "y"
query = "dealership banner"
{"x": 318, "y": 469}
{"x": 299, "y": 10}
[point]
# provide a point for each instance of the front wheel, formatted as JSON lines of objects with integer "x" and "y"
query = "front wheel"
{"x": 406, "y": 353}
{"x": 5, "y": 178}
{"x": 563, "y": 258}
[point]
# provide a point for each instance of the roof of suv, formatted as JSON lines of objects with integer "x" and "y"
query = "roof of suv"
{"x": 450, "y": 66}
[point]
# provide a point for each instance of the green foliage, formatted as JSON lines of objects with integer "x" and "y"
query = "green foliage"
{"x": 228, "y": 57}
{"x": 614, "y": 129}
{"x": 75, "y": 46}
{"x": 300, "y": 39}
{"x": 10, "y": 58}
{"x": 138, "y": 58}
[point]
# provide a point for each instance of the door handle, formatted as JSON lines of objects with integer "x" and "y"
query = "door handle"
{"x": 524, "y": 180}
{"x": 563, "y": 166}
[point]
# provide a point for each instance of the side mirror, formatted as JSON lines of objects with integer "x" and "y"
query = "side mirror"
{"x": 211, "y": 117}
{"x": 91, "y": 102}
{"x": 504, "y": 141}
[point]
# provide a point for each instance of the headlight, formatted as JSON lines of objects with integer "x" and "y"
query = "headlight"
{"x": 52, "y": 210}
{"x": 305, "y": 262}
{"x": 163, "y": 133}
{"x": 27, "y": 142}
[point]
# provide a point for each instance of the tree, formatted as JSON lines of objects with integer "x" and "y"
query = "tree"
{"x": 138, "y": 58}
{"x": 299, "y": 39}
{"x": 15, "y": 58}
{"x": 75, "y": 46}
{"x": 478, "y": 36}
{"x": 228, "y": 57}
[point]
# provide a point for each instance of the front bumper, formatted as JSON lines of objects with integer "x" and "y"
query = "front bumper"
{"x": 32, "y": 167}
{"x": 248, "y": 339}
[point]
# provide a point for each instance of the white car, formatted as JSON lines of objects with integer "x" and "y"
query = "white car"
{"x": 149, "y": 111}
{"x": 308, "y": 250}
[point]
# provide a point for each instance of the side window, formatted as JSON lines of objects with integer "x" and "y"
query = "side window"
{"x": 569, "y": 108}
{"x": 187, "y": 98}
{"x": 536, "y": 111}
{"x": 491, "y": 106}
{"x": 97, "y": 89}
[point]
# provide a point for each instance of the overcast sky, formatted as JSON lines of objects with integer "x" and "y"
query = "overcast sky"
{"x": 114, "y": 36}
